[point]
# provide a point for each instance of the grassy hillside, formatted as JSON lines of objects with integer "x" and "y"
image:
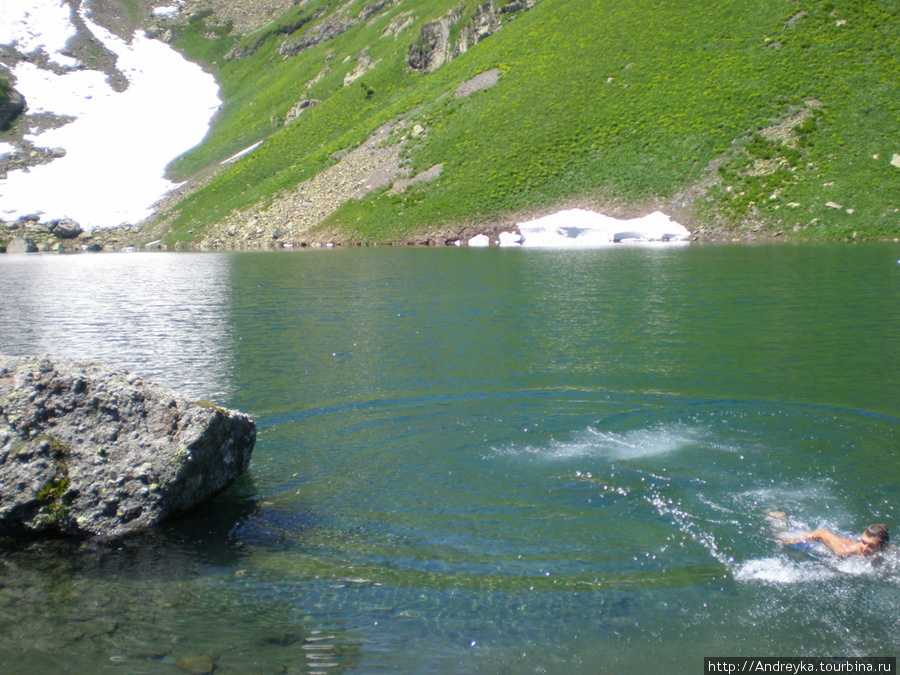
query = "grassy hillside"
{"x": 633, "y": 101}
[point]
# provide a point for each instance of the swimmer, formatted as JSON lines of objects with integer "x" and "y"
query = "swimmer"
{"x": 874, "y": 539}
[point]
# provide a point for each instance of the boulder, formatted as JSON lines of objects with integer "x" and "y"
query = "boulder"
{"x": 12, "y": 104}
{"x": 510, "y": 7}
{"x": 21, "y": 245}
{"x": 86, "y": 449}
{"x": 65, "y": 228}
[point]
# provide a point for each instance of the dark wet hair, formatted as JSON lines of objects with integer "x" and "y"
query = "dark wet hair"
{"x": 879, "y": 532}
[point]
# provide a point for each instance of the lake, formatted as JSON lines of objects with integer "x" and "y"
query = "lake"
{"x": 484, "y": 460}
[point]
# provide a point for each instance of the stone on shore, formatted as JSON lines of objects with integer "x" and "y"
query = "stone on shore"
{"x": 86, "y": 449}
{"x": 12, "y": 105}
{"x": 21, "y": 245}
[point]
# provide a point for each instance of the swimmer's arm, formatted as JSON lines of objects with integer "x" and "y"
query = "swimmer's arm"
{"x": 838, "y": 545}
{"x": 841, "y": 547}
{"x": 787, "y": 541}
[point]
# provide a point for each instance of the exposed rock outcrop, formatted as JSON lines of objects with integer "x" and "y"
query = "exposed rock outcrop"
{"x": 437, "y": 47}
{"x": 484, "y": 23}
{"x": 339, "y": 22}
{"x": 12, "y": 104}
{"x": 364, "y": 64}
{"x": 299, "y": 107}
{"x": 316, "y": 35}
{"x": 89, "y": 450}
{"x": 245, "y": 16}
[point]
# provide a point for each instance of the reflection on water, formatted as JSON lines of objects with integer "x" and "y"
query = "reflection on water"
{"x": 164, "y": 316}
{"x": 490, "y": 461}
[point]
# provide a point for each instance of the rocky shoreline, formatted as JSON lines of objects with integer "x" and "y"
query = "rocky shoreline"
{"x": 30, "y": 236}
{"x": 56, "y": 237}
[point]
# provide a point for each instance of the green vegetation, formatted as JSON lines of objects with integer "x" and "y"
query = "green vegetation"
{"x": 54, "y": 508}
{"x": 209, "y": 405}
{"x": 632, "y": 101}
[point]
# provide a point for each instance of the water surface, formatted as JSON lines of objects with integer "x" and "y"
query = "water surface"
{"x": 491, "y": 460}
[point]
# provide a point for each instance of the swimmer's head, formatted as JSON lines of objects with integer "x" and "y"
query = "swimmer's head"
{"x": 874, "y": 539}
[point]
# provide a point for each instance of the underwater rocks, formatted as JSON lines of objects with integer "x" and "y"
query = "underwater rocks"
{"x": 89, "y": 450}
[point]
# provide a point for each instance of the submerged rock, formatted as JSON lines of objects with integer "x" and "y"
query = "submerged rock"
{"x": 89, "y": 450}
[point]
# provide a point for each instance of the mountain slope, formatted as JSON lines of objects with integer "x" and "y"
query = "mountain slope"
{"x": 780, "y": 115}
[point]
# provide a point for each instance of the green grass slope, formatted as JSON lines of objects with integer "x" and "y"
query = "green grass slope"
{"x": 631, "y": 100}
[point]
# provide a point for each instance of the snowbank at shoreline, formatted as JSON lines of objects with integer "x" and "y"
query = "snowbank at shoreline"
{"x": 578, "y": 228}
{"x": 119, "y": 143}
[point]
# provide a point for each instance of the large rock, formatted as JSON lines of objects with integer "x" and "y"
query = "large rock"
{"x": 21, "y": 245}
{"x": 12, "y": 104}
{"x": 65, "y": 228}
{"x": 86, "y": 449}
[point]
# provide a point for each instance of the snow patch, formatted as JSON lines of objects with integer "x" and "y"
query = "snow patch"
{"x": 578, "y": 228}
{"x": 240, "y": 154}
{"x": 34, "y": 25}
{"x": 165, "y": 11}
{"x": 119, "y": 143}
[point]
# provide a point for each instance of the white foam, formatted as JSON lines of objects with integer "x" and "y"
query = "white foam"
{"x": 117, "y": 149}
{"x": 579, "y": 228}
{"x": 641, "y": 443}
{"x": 782, "y": 570}
{"x": 630, "y": 445}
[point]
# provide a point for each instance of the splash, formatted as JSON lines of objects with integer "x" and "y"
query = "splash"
{"x": 663, "y": 439}
{"x": 782, "y": 570}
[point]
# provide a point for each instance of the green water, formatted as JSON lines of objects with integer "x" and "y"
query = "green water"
{"x": 491, "y": 461}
